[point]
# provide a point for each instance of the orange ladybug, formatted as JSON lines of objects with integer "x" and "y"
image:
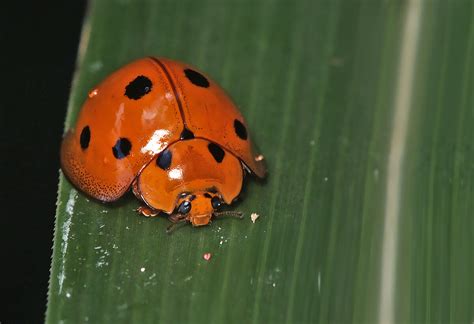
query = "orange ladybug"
{"x": 167, "y": 131}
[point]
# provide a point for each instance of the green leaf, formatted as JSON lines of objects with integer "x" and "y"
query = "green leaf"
{"x": 364, "y": 111}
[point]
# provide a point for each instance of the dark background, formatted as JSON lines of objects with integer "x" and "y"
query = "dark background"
{"x": 39, "y": 41}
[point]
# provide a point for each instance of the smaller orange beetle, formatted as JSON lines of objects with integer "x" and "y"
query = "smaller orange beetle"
{"x": 167, "y": 131}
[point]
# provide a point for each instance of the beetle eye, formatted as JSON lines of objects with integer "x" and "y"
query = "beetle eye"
{"x": 216, "y": 202}
{"x": 184, "y": 207}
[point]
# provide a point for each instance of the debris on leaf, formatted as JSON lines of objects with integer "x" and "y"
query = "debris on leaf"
{"x": 254, "y": 217}
{"x": 259, "y": 158}
{"x": 207, "y": 256}
{"x": 93, "y": 93}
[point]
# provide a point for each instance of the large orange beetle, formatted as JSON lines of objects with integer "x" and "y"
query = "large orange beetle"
{"x": 168, "y": 131}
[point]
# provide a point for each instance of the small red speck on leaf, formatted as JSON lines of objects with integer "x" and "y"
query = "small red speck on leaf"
{"x": 207, "y": 256}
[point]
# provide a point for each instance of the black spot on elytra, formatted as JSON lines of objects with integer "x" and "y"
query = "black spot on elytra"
{"x": 196, "y": 78}
{"x": 121, "y": 148}
{"x": 240, "y": 129}
{"x": 216, "y": 151}
{"x": 186, "y": 134}
{"x": 85, "y": 137}
{"x": 164, "y": 159}
{"x": 207, "y": 195}
{"x": 139, "y": 87}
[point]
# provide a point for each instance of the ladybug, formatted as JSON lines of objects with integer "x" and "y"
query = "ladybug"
{"x": 168, "y": 132}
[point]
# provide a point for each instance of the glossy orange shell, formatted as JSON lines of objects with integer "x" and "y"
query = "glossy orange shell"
{"x": 192, "y": 169}
{"x": 150, "y": 124}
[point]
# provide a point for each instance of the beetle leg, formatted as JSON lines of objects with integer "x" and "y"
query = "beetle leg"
{"x": 176, "y": 219}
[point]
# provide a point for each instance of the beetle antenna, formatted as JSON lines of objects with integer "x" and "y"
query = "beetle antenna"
{"x": 236, "y": 214}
